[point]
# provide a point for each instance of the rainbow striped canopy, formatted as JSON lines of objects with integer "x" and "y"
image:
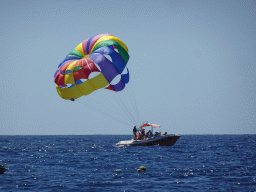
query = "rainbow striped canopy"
{"x": 72, "y": 76}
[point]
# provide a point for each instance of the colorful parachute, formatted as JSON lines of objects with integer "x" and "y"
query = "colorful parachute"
{"x": 72, "y": 77}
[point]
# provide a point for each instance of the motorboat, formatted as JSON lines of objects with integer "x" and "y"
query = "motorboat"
{"x": 164, "y": 140}
{"x": 155, "y": 139}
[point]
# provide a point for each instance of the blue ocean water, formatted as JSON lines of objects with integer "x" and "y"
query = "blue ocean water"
{"x": 88, "y": 163}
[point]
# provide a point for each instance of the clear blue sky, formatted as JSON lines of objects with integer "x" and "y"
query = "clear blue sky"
{"x": 192, "y": 65}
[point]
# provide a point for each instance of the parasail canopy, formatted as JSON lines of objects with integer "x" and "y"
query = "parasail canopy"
{"x": 72, "y": 77}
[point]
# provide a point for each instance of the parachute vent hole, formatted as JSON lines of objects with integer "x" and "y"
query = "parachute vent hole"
{"x": 83, "y": 80}
{"x": 69, "y": 85}
{"x": 125, "y": 71}
{"x": 93, "y": 74}
{"x": 108, "y": 57}
{"x": 116, "y": 80}
{"x": 116, "y": 51}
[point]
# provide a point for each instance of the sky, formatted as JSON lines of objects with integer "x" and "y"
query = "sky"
{"x": 192, "y": 66}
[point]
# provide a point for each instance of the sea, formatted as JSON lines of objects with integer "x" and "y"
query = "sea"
{"x": 94, "y": 163}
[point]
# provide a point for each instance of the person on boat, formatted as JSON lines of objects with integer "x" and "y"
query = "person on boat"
{"x": 134, "y": 132}
{"x": 139, "y": 136}
{"x": 165, "y": 133}
{"x": 146, "y": 136}
{"x": 143, "y": 132}
{"x": 150, "y": 134}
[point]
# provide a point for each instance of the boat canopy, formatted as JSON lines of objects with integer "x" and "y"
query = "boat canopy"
{"x": 148, "y": 124}
{"x": 155, "y": 125}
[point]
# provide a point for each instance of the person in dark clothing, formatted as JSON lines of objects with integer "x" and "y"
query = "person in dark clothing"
{"x": 135, "y": 133}
{"x": 142, "y": 133}
{"x": 146, "y": 136}
{"x": 134, "y": 130}
{"x": 150, "y": 134}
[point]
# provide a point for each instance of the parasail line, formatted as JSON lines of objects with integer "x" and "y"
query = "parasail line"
{"x": 127, "y": 109}
{"x": 130, "y": 103}
{"x": 113, "y": 105}
{"x": 127, "y": 113}
{"x": 135, "y": 102}
{"x": 130, "y": 99}
{"x": 103, "y": 113}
